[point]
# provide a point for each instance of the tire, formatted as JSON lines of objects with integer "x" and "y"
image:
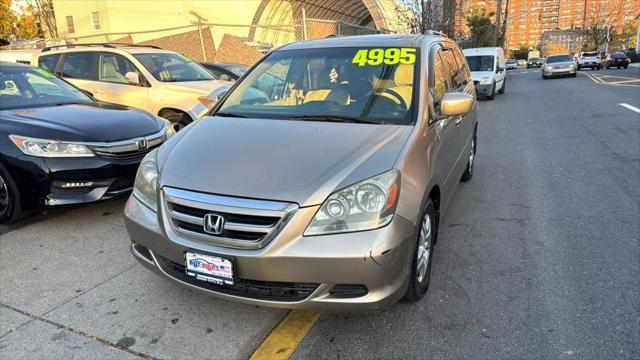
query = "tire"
{"x": 544, "y": 77}
{"x": 608, "y": 67}
{"x": 422, "y": 254}
{"x": 574, "y": 75}
{"x": 10, "y": 209}
{"x": 492, "y": 95}
{"x": 504, "y": 86}
{"x": 626, "y": 66}
{"x": 579, "y": 67}
{"x": 178, "y": 119}
{"x": 468, "y": 172}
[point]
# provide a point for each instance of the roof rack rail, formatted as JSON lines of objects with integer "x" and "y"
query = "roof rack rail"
{"x": 107, "y": 45}
{"x": 435, "y": 32}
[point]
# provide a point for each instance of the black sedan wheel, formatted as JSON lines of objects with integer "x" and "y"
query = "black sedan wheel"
{"x": 9, "y": 198}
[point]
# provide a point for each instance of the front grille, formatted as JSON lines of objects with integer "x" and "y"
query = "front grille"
{"x": 126, "y": 155}
{"x": 253, "y": 289}
{"x": 247, "y": 223}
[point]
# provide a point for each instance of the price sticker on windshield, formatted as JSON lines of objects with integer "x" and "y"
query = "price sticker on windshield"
{"x": 388, "y": 56}
{"x": 44, "y": 73}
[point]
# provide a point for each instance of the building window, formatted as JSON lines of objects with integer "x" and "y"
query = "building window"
{"x": 70, "y": 28}
{"x": 95, "y": 19}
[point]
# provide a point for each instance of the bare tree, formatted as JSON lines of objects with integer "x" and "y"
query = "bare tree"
{"x": 422, "y": 15}
{"x": 602, "y": 18}
{"x": 43, "y": 12}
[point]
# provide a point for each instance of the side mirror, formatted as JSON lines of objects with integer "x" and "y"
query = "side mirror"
{"x": 132, "y": 78}
{"x": 454, "y": 104}
{"x": 220, "y": 92}
{"x": 500, "y": 69}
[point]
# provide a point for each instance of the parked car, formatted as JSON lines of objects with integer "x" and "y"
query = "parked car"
{"x": 522, "y": 62}
{"x": 534, "y": 63}
{"x": 512, "y": 64}
{"x": 487, "y": 67}
{"x": 618, "y": 60}
{"x": 162, "y": 82}
{"x": 58, "y": 146}
{"x": 325, "y": 195}
{"x": 559, "y": 65}
{"x": 589, "y": 59}
{"x": 228, "y": 72}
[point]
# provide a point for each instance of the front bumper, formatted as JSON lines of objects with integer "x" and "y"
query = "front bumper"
{"x": 44, "y": 182}
{"x": 558, "y": 71}
{"x": 291, "y": 271}
{"x": 483, "y": 89}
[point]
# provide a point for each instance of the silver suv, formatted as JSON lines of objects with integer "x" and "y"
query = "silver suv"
{"x": 162, "y": 82}
{"x": 319, "y": 179}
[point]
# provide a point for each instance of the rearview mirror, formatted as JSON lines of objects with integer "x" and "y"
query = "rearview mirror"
{"x": 132, "y": 78}
{"x": 454, "y": 104}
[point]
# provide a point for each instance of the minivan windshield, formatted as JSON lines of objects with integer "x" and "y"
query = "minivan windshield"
{"x": 559, "y": 58}
{"x": 343, "y": 84}
{"x": 24, "y": 87}
{"x": 173, "y": 67}
{"x": 480, "y": 63}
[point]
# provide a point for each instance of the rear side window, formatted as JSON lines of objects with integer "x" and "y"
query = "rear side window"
{"x": 48, "y": 62}
{"x": 465, "y": 73}
{"x": 453, "y": 68}
{"x": 78, "y": 65}
{"x": 114, "y": 67}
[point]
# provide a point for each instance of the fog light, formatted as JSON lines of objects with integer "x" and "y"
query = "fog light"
{"x": 77, "y": 184}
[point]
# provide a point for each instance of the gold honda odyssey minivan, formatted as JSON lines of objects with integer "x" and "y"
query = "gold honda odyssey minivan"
{"x": 318, "y": 180}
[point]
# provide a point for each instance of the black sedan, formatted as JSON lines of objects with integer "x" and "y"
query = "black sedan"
{"x": 534, "y": 63}
{"x": 618, "y": 60}
{"x": 59, "y": 146}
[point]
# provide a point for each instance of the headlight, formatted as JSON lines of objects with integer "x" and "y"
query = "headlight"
{"x": 50, "y": 148}
{"x": 146, "y": 183}
{"x": 548, "y": 67}
{"x": 367, "y": 205}
{"x": 485, "y": 80}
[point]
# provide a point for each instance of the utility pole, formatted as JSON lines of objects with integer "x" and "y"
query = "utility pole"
{"x": 498, "y": 17}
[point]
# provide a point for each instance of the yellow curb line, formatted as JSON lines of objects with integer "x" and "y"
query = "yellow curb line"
{"x": 623, "y": 81}
{"x": 285, "y": 338}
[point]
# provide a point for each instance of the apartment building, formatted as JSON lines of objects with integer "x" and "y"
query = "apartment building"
{"x": 527, "y": 20}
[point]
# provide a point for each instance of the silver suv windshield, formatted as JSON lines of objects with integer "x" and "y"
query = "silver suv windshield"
{"x": 373, "y": 85}
{"x": 173, "y": 67}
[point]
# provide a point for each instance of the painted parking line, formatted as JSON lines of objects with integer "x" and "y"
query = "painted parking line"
{"x": 632, "y": 108}
{"x": 614, "y": 80}
{"x": 285, "y": 338}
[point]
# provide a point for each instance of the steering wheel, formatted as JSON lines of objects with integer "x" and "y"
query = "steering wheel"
{"x": 393, "y": 95}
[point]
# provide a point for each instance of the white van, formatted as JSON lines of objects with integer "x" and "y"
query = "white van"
{"x": 488, "y": 70}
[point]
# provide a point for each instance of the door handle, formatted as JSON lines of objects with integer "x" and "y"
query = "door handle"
{"x": 459, "y": 120}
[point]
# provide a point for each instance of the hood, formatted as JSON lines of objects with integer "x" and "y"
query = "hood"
{"x": 91, "y": 122}
{"x": 283, "y": 160}
{"x": 200, "y": 88}
{"x": 476, "y": 75}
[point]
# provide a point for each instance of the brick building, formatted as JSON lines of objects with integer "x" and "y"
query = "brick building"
{"x": 527, "y": 20}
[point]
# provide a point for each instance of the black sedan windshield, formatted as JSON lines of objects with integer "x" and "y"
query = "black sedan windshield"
{"x": 24, "y": 87}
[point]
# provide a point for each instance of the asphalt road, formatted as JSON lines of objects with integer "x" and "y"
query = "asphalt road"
{"x": 538, "y": 257}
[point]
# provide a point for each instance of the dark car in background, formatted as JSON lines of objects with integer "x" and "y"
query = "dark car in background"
{"x": 59, "y": 146}
{"x": 534, "y": 63}
{"x": 618, "y": 60}
{"x": 228, "y": 72}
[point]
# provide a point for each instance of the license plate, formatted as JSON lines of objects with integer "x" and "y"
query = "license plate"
{"x": 209, "y": 268}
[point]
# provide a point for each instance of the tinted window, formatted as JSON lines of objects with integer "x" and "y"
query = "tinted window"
{"x": 48, "y": 62}
{"x": 465, "y": 73}
{"x": 440, "y": 81}
{"x": 28, "y": 87}
{"x": 618, "y": 56}
{"x": 480, "y": 63}
{"x": 113, "y": 68}
{"x": 455, "y": 73}
{"x": 559, "y": 58}
{"x": 78, "y": 66}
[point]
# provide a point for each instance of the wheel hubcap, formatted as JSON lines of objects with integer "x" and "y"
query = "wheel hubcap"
{"x": 424, "y": 248}
{"x": 4, "y": 196}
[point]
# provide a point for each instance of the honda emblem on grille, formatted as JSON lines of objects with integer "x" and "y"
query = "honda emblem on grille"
{"x": 213, "y": 224}
{"x": 142, "y": 144}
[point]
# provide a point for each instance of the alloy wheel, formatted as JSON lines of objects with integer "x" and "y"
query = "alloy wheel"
{"x": 424, "y": 248}
{"x": 4, "y": 196}
{"x": 472, "y": 154}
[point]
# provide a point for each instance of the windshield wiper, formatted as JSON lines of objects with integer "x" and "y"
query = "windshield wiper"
{"x": 335, "y": 118}
{"x": 228, "y": 114}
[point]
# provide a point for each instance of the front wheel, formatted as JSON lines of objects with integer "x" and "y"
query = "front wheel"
{"x": 626, "y": 66}
{"x": 177, "y": 119}
{"x": 504, "y": 86}
{"x": 492, "y": 94}
{"x": 10, "y": 209}
{"x": 468, "y": 172}
{"x": 422, "y": 256}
